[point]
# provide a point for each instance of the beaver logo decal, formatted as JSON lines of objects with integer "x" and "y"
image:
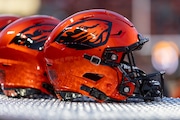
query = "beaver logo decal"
{"x": 34, "y": 36}
{"x": 85, "y": 34}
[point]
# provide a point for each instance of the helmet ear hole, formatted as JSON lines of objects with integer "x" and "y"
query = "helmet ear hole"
{"x": 93, "y": 76}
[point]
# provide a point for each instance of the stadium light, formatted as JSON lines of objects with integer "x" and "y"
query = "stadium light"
{"x": 165, "y": 57}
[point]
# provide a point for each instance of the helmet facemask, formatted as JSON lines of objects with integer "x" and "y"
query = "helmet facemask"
{"x": 147, "y": 86}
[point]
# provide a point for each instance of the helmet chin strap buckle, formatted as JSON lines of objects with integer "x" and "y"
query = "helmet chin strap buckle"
{"x": 95, "y": 60}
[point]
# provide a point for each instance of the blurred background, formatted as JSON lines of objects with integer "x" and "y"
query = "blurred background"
{"x": 159, "y": 20}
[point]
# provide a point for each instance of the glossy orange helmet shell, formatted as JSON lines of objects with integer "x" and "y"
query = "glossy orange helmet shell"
{"x": 84, "y": 54}
{"x": 21, "y": 56}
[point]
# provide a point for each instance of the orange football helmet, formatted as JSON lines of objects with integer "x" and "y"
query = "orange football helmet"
{"x": 90, "y": 54}
{"x": 22, "y": 72}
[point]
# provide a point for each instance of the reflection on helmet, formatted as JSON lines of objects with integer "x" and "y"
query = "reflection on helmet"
{"x": 21, "y": 58}
{"x": 5, "y": 20}
{"x": 93, "y": 57}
